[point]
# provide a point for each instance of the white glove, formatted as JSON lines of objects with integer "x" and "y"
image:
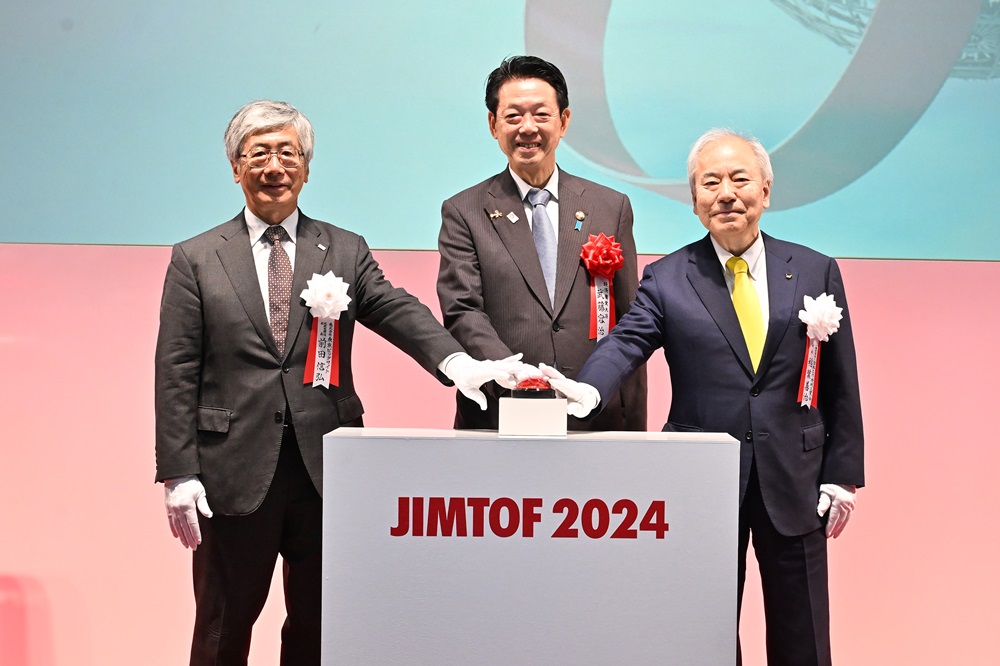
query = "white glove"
{"x": 183, "y": 495}
{"x": 523, "y": 372}
{"x": 581, "y": 399}
{"x": 839, "y": 500}
{"x": 469, "y": 374}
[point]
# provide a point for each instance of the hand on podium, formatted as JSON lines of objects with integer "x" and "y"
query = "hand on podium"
{"x": 469, "y": 374}
{"x": 839, "y": 500}
{"x": 581, "y": 399}
{"x": 185, "y": 497}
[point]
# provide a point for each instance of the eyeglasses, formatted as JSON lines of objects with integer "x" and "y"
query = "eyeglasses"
{"x": 258, "y": 158}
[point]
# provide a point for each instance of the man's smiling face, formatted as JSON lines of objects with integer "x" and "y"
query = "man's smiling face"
{"x": 528, "y": 126}
{"x": 272, "y": 192}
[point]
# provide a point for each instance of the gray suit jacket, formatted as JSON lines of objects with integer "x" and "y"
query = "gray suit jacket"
{"x": 221, "y": 387}
{"x": 684, "y": 307}
{"x": 493, "y": 295}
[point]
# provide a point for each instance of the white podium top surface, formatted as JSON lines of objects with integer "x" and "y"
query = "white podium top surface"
{"x": 492, "y": 435}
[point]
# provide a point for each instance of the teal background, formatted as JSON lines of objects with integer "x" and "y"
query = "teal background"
{"x": 113, "y": 114}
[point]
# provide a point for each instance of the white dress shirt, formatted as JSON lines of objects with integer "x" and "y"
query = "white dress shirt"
{"x": 756, "y": 260}
{"x": 551, "y": 208}
{"x": 262, "y": 248}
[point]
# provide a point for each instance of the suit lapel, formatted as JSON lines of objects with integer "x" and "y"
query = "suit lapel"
{"x": 570, "y": 240}
{"x": 705, "y": 275}
{"x": 516, "y": 236}
{"x": 782, "y": 281}
{"x": 309, "y": 258}
{"x": 236, "y": 257}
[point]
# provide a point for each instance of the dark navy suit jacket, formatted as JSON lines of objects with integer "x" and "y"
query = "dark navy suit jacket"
{"x": 684, "y": 307}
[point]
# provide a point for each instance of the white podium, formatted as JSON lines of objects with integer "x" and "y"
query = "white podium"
{"x": 464, "y": 548}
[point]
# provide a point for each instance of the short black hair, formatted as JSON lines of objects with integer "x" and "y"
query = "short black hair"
{"x": 525, "y": 67}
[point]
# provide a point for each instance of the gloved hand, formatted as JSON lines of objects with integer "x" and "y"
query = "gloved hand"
{"x": 520, "y": 371}
{"x": 839, "y": 500}
{"x": 469, "y": 374}
{"x": 581, "y": 399}
{"x": 183, "y": 495}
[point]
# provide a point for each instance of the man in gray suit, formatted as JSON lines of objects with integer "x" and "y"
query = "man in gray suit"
{"x": 727, "y": 312}
{"x": 503, "y": 289}
{"x": 239, "y": 423}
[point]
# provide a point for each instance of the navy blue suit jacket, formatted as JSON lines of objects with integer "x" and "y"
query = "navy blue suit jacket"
{"x": 684, "y": 307}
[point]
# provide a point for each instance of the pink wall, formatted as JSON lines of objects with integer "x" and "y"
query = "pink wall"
{"x": 90, "y": 576}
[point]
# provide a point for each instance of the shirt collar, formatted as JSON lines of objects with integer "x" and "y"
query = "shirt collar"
{"x": 552, "y": 186}
{"x": 257, "y": 226}
{"x": 752, "y": 254}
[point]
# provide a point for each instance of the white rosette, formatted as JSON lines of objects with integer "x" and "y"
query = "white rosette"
{"x": 822, "y": 319}
{"x": 326, "y": 297}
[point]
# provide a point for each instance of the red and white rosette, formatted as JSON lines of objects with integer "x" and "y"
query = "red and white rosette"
{"x": 822, "y": 319}
{"x": 602, "y": 257}
{"x": 326, "y": 297}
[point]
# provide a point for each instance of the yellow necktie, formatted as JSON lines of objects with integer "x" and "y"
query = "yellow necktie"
{"x": 747, "y": 308}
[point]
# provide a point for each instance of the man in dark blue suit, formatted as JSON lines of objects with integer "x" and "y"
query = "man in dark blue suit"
{"x": 737, "y": 369}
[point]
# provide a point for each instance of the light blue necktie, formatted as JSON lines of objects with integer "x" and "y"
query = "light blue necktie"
{"x": 545, "y": 238}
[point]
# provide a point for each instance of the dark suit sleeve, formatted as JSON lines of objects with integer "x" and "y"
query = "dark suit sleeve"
{"x": 178, "y": 370}
{"x": 839, "y": 396}
{"x": 399, "y": 317}
{"x": 629, "y": 344}
{"x": 460, "y": 289}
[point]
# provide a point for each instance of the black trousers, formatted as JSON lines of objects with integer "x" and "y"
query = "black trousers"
{"x": 794, "y": 582}
{"x": 234, "y": 565}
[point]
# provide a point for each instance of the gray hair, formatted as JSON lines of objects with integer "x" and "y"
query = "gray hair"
{"x": 265, "y": 115}
{"x": 760, "y": 153}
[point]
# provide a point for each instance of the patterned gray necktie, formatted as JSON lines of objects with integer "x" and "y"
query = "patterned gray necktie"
{"x": 279, "y": 284}
{"x": 545, "y": 238}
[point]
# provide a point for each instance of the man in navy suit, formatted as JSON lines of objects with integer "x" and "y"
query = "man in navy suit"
{"x": 238, "y": 423}
{"x": 799, "y": 466}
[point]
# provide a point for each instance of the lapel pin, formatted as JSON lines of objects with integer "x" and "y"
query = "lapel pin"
{"x": 321, "y": 246}
{"x": 495, "y": 214}
{"x": 580, "y": 217}
{"x": 512, "y": 217}
{"x": 788, "y": 276}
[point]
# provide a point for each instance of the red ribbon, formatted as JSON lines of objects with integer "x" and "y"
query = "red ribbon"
{"x": 809, "y": 381}
{"x": 602, "y": 257}
{"x": 310, "y": 371}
